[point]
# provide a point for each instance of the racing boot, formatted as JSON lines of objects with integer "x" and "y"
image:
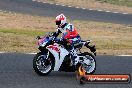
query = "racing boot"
{"x": 74, "y": 56}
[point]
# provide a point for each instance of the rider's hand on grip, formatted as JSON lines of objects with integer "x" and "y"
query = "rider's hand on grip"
{"x": 38, "y": 37}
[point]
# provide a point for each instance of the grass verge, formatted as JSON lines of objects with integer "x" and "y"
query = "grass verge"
{"x": 118, "y": 2}
{"x": 18, "y": 33}
{"x": 28, "y": 32}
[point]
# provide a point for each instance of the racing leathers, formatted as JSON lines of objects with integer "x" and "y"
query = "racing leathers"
{"x": 70, "y": 33}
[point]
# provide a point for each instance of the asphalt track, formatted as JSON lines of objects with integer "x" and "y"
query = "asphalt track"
{"x": 41, "y": 9}
{"x": 16, "y": 69}
{"x": 16, "y": 72}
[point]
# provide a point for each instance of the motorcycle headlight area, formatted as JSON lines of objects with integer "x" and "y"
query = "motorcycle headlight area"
{"x": 43, "y": 44}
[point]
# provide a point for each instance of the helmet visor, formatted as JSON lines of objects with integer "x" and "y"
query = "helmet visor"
{"x": 58, "y": 22}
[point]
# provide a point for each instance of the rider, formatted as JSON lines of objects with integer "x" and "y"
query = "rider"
{"x": 69, "y": 32}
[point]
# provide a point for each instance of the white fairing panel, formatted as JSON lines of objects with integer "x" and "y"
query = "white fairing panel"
{"x": 59, "y": 55}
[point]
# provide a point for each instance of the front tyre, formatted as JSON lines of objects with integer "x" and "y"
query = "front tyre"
{"x": 42, "y": 64}
{"x": 89, "y": 63}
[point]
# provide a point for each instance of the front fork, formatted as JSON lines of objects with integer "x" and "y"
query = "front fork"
{"x": 46, "y": 54}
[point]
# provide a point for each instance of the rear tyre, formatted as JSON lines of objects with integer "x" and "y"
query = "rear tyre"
{"x": 43, "y": 64}
{"x": 89, "y": 63}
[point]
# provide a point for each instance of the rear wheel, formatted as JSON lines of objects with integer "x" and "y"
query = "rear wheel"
{"x": 89, "y": 63}
{"x": 43, "y": 64}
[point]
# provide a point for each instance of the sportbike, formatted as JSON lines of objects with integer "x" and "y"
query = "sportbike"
{"x": 55, "y": 55}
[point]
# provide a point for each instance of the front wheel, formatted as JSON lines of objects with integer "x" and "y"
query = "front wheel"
{"x": 89, "y": 63}
{"x": 42, "y": 64}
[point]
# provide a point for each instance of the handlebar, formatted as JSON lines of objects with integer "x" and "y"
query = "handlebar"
{"x": 38, "y": 37}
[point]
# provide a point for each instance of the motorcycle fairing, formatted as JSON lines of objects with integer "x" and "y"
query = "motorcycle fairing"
{"x": 59, "y": 54}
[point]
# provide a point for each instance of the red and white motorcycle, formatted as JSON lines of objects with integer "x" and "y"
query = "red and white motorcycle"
{"x": 55, "y": 56}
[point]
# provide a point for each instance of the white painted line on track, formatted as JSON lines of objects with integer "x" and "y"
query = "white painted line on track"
{"x": 100, "y": 10}
{"x": 83, "y": 8}
{"x": 23, "y": 53}
{"x": 107, "y": 11}
{"x": 76, "y": 7}
{"x": 63, "y": 5}
{"x": 38, "y": 1}
{"x": 57, "y": 4}
{"x": 44, "y": 2}
{"x": 51, "y": 3}
{"x": 10, "y": 12}
{"x": 79, "y": 7}
{"x": 31, "y": 53}
{"x": 124, "y": 13}
{"x": 115, "y": 12}
{"x": 2, "y": 52}
{"x": 125, "y": 55}
{"x": 69, "y": 6}
{"x": 90, "y": 9}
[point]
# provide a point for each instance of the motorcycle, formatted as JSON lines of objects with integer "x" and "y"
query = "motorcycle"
{"x": 55, "y": 55}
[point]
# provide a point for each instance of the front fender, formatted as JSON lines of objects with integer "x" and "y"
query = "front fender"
{"x": 59, "y": 54}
